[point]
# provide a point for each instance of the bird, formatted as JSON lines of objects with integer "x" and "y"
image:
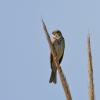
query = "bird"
{"x": 58, "y": 43}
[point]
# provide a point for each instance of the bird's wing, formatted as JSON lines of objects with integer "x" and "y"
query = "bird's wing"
{"x": 61, "y": 58}
{"x": 63, "y": 51}
{"x": 51, "y": 59}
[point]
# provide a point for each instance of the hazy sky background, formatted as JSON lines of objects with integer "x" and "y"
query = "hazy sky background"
{"x": 24, "y": 51}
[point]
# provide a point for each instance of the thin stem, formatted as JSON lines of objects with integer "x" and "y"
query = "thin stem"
{"x": 61, "y": 74}
{"x": 90, "y": 71}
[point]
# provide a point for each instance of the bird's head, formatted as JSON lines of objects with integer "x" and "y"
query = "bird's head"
{"x": 57, "y": 34}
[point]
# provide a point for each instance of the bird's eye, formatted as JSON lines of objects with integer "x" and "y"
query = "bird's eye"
{"x": 59, "y": 33}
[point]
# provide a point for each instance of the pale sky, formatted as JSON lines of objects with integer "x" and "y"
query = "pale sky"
{"x": 24, "y": 51}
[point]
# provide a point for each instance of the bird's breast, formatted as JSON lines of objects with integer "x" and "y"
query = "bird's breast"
{"x": 59, "y": 47}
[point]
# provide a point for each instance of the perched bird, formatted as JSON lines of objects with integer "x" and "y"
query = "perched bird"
{"x": 59, "y": 45}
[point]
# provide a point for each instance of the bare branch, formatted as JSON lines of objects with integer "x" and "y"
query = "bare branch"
{"x": 48, "y": 37}
{"x": 90, "y": 71}
{"x": 62, "y": 78}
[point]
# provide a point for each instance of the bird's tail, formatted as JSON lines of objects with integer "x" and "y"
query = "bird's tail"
{"x": 53, "y": 77}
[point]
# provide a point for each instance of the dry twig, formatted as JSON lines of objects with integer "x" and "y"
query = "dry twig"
{"x": 90, "y": 72}
{"x": 62, "y": 77}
